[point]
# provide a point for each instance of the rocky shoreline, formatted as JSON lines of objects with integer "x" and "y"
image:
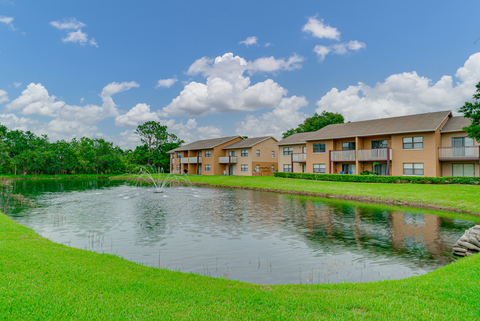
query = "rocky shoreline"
{"x": 469, "y": 243}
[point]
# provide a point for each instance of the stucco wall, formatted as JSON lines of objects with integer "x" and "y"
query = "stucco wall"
{"x": 287, "y": 159}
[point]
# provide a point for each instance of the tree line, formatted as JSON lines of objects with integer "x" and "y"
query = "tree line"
{"x": 25, "y": 153}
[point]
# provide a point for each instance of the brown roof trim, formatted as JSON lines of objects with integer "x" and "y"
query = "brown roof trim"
{"x": 248, "y": 146}
{"x": 448, "y": 116}
{"x": 380, "y": 134}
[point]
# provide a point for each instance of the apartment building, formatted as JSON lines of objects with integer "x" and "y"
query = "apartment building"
{"x": 292, "y": 155}
{"x": 431, "y": 144}
{"x": 226, "y": 156}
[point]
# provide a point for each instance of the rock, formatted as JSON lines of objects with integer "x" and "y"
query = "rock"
{"x": 468, "y": 246}
{"x": 459, "y": 253}
{"x": 469, "y": 243}
{"x": 459, "y": 249}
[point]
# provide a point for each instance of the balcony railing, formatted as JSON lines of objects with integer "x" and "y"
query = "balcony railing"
{"x": 184, "y": 160}
{"x": 343, "y": 155}
{"x": 299, "y": 158}
{"x": 195, "y": 160}
{"x": 459, "y": 153}
{"x": 227, "y": 159}
{"x": 378, "y": 154}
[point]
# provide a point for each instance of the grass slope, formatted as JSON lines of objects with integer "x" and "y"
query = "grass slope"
{"x": 462, "y": 197}
{"x": 40, "y": 279}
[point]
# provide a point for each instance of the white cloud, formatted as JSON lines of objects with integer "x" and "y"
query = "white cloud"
{"x": 8, "y": 22}
{"x": 76, "y": 36}
{"x": 318, "y": 29}
{"x": 268, "y": 44}
{"x": 190, "y": 132}
{"x": 137, "y": 115}
{"x": 35, "y": 101}
{"x": 93, "y": 42}
{"x": 285, "y": 116}
{"x": 82, "y": 100}
{"x": 71, "y": 23}
{"x": 227, "y": 89}
{"x": 403, "y": 94}
{"x": 249, "y": 41}
{"x": 167, "y": 83}
{"x": 338, "y": 49}
{"x": 16, "y": 84}
{"x": 15, "y": 123}
{"x": 3, "y": 96}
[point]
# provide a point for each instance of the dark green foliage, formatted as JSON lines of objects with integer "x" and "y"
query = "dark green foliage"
{"x": 316, "y": 122}
{"x": 472, "y": 111}
{"x": 382, "y": 179}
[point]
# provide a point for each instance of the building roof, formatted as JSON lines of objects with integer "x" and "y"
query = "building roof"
{"x": 384, "y": 126}
{"x": 455, "y": 124}
{"x": 204, "y": 144}
{"x": 294, "y": 139}
{"x": 249, "y": 142}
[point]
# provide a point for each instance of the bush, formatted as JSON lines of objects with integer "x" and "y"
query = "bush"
{"x": 381, "y": 179}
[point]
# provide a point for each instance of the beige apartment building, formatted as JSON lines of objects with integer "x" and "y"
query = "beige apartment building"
{"x": 431, "y": 144}
{"x": 226, "y": 156}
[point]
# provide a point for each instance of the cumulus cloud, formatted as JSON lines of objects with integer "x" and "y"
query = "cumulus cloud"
{"x": 403, "y": 94}
{"x": 71, "y": 23}
{"x": 35, "y": 100}
{"x": 285, "y": 116}
{"x": 167, "y": 83}
{"x": 137, "y": 115}
{"x": 249, "y": 41}
{"x": 320, "y": 30}
{"x": 227, "y": 89}
{"x": 77, "y": 36}
{"x": 16, "y": 84}
{"x": 338, "y": 49}
{"x": 3, "y": 96}
{"x": 8, "y": 22}
{"x": 190, "y": 131}
{"x": 15, "y": 123}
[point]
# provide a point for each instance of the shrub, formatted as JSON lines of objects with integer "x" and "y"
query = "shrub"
{"x": 381, "y": 179}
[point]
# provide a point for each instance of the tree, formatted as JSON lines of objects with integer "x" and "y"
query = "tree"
{"x": 157, "y": 142}
{"x": 472, "y": 111}
{"x": 315, "y": 123}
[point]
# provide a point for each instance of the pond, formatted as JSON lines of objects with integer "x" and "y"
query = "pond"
{"x": 252, "y": 236}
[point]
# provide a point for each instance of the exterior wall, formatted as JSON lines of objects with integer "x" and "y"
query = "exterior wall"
{"x": 242, "y": 161}
{"x": 447, "y": 138}
{"x": 287, "y": 159}
{"x": 428, "y": 155}
{"x": 218, "y": 152}
{"x": 265, "y": 160}
{"x": 320, "y": 158}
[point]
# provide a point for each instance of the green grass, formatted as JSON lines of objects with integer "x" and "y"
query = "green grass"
{"x": 44, "y": 280}
{"x": 462, "y": 197}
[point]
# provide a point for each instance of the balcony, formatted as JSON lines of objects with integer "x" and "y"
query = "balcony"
{"x": 227, "y": 159}
{"x": 195, "y": 160}
{"x": 342, "y": 155}
{"x": 184, "y": 160}
{"x": 459, "y": 153}
{"x": 299, "y": 158}
{"x": 374, "y": 155}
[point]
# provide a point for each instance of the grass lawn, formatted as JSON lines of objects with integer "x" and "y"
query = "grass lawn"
{"x": 462, "y": 197}
{"x": 44, "y": 280}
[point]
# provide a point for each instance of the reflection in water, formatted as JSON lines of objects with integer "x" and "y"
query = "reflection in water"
{"x": 246, "y": 235}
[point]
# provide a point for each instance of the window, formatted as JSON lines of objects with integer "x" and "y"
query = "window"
{"x": 287, "y": 151}
{"x": 349, "y": 169}
{"x": 462, "y": 141}
{"x": 231, "y": 153}
{"x": 379, "y": 144}
{"x": 208, "y": 154}
{"x": 179, "y": 155}
{"x": 207, "y": 168}
{"x": 199, "y": 154}
{"x": 415, "y": 169}
{"x": 258, "y": 153}
{"x": 463, "y": 146}
{"x": 348, "y": 146}
{"x": 304, "y": 168}
{"x": 178, "y": 167}
{"x": 287, "y": 168}
{"x": 467, "y": 170}
{"x": 244, "y": 153}
{"x": 244, "y": 168}
{"x": 413, "y": 142}
{"x": 319, "y": 168}
{"x": 258, "y": 168}
{"x": 273, "y": 168}
{"x": 273, "y": 154}
{"x": 304, "y": 149}
{"x": 320, "y": 148}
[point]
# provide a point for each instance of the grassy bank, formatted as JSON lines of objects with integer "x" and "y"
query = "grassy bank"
{"x": 462, "y": 197}
{"x": 40, "y": 279}
{"x": 66, "y": 176}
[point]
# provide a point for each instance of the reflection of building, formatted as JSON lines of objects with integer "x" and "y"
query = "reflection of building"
{"x": 226, "y": 156}
{"x": 432, "y": 144}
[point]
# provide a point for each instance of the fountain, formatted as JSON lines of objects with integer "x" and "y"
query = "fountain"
{"x": 158, "y": 179}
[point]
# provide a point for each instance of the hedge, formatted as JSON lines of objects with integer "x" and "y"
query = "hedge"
{"x": 381, "y": 179}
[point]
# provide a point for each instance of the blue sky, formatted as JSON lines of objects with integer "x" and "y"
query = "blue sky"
{"x": 217, "y": 68}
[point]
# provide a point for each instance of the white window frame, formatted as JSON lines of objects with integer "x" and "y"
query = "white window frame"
{"x": 258, "y": 153}
{"x": 287, "y": 165}
{"x": 273, "y": 154}
{"x": 208, "y": 167}
{"x": 414, "y": 140}
{"x": 244, "y": 153}
{"x": 244, "y": 168}
{"x": 208, "y": 153}
{"x": 413, "y": 167}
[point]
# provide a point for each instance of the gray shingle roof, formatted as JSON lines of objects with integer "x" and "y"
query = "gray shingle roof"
{"x": 249, "y": 142}
{"x": 204, "y": 144}
{"x": 403, "y": 124}
{"x": 455, "y": 124}
{"x": 294, "y": 139}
